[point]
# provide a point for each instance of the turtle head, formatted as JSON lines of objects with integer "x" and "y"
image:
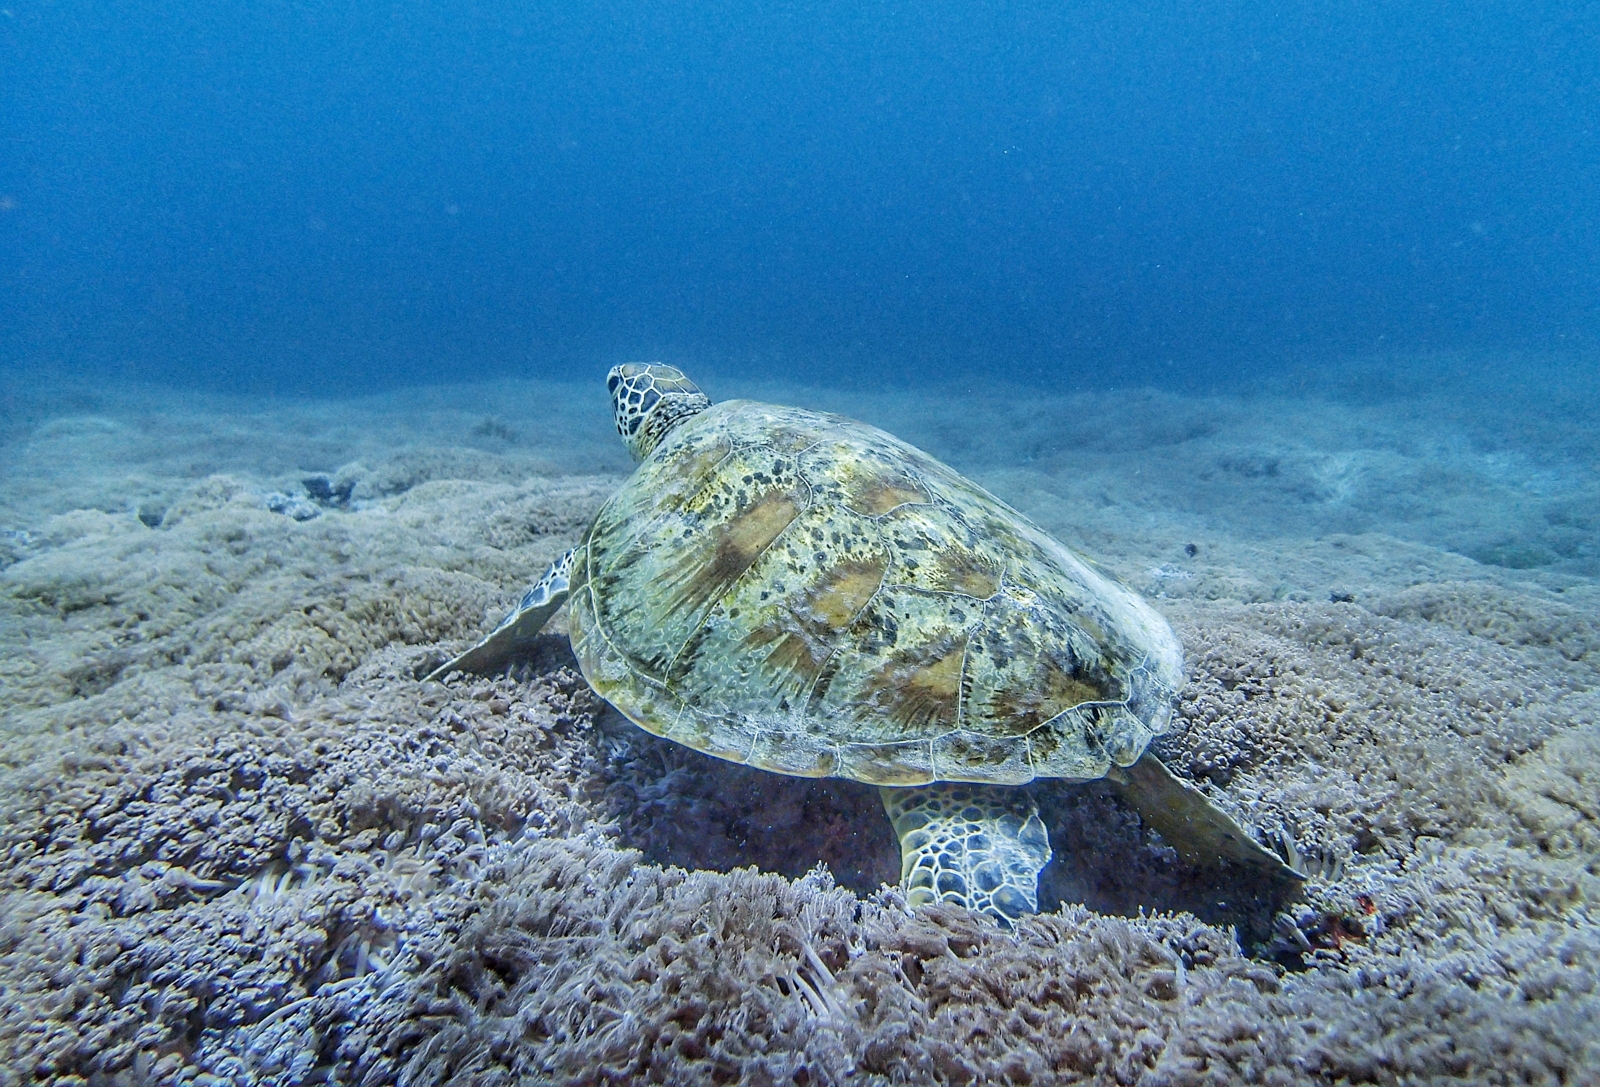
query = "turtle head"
{"x": 649, "y": 399}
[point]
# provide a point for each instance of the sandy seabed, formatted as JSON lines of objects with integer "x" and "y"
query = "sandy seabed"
{"x": 245, "y": 842}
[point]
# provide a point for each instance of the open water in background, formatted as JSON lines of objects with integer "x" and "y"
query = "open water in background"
{"x": 295, "y": 197}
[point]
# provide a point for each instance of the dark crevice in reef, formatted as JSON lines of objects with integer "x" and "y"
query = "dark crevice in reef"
{"x": 680, "y": 807}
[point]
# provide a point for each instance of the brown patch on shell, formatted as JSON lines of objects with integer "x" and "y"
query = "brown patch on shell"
{"x": 736, "y": 545}
{"x": 1017, "y": 683}
{"x": 800, "y": 638}
{"x": 921, "y": 693}
{"x": 958, "y": 570}
{"x": 1021, "y": 708}
{"x": 877, "y": 494}
{"x": 795, "y": 660}
{"x": 844, "y": 591}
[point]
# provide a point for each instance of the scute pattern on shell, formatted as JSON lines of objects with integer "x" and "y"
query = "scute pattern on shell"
{"x": 807, "y": 594}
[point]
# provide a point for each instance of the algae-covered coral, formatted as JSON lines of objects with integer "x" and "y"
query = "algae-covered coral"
{"x": 246, "y": 843}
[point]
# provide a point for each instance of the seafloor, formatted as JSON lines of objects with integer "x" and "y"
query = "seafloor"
{"x": 246, "y": 843}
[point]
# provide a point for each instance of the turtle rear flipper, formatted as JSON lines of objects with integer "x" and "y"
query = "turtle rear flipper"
{"x": 1199, "y": 830}
{"x": 982, "y": 846}
{"x": 515, "y": 634}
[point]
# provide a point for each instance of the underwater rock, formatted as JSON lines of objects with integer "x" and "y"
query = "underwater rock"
{"x": 325, "y": 492}
{"x": 290, "y": 506}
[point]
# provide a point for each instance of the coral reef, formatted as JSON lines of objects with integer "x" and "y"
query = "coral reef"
{"x": 246, "y": 843}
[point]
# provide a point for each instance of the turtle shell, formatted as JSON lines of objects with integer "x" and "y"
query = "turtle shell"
{"x": 807, "y": 594}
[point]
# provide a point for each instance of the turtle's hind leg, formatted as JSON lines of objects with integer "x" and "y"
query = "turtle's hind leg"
{"x": 980, "y": 845}
{"x": 519, "y": 626}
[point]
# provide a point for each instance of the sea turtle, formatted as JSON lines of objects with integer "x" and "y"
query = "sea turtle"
{"x": 807, "y": 594}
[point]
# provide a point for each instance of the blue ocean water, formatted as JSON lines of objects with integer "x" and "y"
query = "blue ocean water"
{"x": 340, "y": 196}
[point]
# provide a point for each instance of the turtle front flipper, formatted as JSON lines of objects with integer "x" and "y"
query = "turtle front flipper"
{"x": 982, "y": 846}
{"x": 1194, "y": 826}
{"x": 518, "y": 628}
